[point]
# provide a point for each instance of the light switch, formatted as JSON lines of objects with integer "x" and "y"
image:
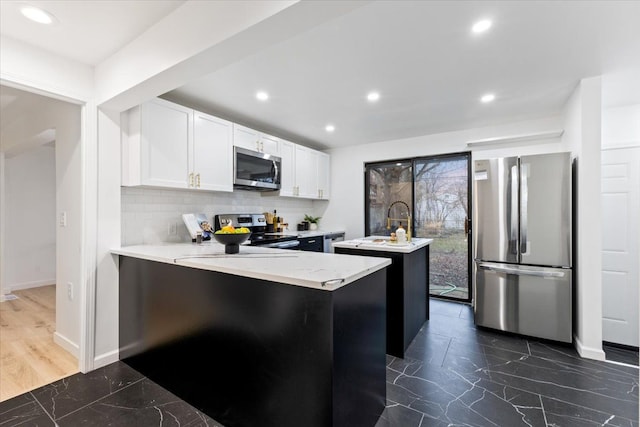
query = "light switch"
{"x": 63, "y": 219}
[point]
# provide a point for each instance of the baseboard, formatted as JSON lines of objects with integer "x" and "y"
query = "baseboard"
{"x": 106, "y": 359}
{"x": 67, "y": 344}
{"x": 28, "y": 285}
{"x": 588, "y": 352}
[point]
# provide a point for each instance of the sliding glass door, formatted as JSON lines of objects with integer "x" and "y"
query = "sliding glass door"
{"x": 386, "y": 183}
{"x": 441, "y": 212}
{"x": 437, "y": 191}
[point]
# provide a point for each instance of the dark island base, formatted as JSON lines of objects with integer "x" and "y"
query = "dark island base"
{"x": 249, "y": 352}
{"x": 407, "y": 289}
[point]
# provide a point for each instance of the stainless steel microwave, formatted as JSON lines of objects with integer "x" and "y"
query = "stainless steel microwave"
{"x": 253, "y": 170}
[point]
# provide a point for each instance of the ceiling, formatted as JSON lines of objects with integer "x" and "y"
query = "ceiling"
{"x": 429, "y": 69}
{"x": 86, "y": 31}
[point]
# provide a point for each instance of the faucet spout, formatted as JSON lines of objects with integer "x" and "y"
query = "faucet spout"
{"x": 408, "y": 219}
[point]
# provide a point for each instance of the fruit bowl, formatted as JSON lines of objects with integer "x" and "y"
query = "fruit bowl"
{"x": 231, "y": 241}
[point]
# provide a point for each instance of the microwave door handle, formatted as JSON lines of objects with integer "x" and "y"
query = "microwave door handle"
{"x": 275, "y": 166}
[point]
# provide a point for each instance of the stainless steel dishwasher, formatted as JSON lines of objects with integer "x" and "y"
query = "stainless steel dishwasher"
{"x": 330, "y": 238}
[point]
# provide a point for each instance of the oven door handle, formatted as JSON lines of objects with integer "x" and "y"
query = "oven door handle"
{"x": 282, "y": 245}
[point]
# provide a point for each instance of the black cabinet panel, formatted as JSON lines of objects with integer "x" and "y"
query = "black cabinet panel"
{"x": 311, "y": 244}
{"x": 407, "y": 294}
{"x": 251, "y": 352}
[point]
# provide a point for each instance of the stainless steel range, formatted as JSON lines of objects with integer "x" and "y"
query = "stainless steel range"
{"x": 257, "y": 223}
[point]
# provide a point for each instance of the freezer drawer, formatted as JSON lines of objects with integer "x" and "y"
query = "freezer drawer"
{"x": 534, "y": 301}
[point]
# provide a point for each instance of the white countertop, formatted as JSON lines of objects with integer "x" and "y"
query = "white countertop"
{"x": 316, "y": 270}
{"x": 310, "y": 233}
{"x": 382, "y": 243}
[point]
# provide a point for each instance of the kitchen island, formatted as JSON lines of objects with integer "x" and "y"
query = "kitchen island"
{"x": 407, "y": 284}
{"x": 265, "y": 337}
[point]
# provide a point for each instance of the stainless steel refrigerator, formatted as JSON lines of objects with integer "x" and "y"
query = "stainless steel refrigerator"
{"x": 523, "y": 227}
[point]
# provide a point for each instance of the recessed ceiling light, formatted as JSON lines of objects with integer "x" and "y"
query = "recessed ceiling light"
{"x": 489, "y": 97}
{"x": 37, "y": 15}
{"x": 329, "y": 128}
{"x": 481, "y": 26}
{"x": 373, "y": 96}
{"x": 262, "y": 96}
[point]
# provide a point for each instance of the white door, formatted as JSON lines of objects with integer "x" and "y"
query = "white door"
{"x": 323, "y": 176}
{"x": 620, "y": 237}
{"x": 287, "y": 181}
{"x": 306, "y": 172}
{"x": 166, "y": 136}
{"x": 212, "y": 153}
{"x": 269, "y": 144}
{"x": 246, "y": 138}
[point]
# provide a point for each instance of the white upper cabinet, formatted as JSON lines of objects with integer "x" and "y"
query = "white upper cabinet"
{"x": 288, "y": 178}
{"x": 324, "y": 170}
{"x": 256, "y": 141}
{"x": 168, "y": 145}
{"x": 306, "y": 172}
{"x": 212, "y": 153}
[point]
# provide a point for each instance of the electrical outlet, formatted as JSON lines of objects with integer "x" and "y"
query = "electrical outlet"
{"x": 63, "y": 219}
{"x": 70, "y": 291}
{"x": 172, "y": 229}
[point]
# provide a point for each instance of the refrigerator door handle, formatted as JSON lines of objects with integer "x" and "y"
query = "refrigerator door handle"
{"x": 524, "y": 205}
{"x": 513, "y": 229}
{"x": 520, "y": 271}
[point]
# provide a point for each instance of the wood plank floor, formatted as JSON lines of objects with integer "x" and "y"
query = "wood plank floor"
{"x": 28, "y": 356}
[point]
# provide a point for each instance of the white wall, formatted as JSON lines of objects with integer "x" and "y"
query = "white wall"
{"x": 25, "y": 66}
{"x": 69, "y": 199}
{"x": 30, "y": 236}
{"x": 346, "y": 207}
{"x": 621, "y": 126}
{"x": 147, "y": 212}
{"x": 583, "y": 134}
{"x": 108, "y": 216}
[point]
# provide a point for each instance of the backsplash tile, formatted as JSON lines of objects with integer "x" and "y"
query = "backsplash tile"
{"x": 147, "y": 212}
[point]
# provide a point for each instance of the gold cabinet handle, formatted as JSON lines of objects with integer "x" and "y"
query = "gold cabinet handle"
{"x": 198, "y": 180}
{"x": 191, "y": 179}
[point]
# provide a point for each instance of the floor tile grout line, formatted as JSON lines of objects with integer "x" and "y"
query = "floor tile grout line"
{"x": 45, "y": 411}
{"x": 103, "y": 397}
{"x": 613, "y": 362}
{"x": 19, "y": 406}
{"x": 446, "y": 352}
{"x": 544, "y": 413}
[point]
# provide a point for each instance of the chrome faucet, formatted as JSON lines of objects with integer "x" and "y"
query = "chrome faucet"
{"x": 389, "y": 219}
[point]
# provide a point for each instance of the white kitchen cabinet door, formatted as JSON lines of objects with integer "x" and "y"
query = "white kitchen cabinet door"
{"x": 269, "y": 144}
{"x": 212, "y": 164}
{"x": 324, "y": 170}
{"x": 246, "y": 138}
{"x": 306, "y": 172}
{"x": 165, "y": 137}
{"x": 287, "y": 181}
{"x": 620, "y": 175}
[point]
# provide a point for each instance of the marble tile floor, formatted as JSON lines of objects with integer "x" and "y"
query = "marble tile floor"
{"x": 453, "y": 374}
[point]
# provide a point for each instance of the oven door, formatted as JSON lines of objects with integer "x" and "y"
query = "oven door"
{"x": 256, "y": 171}
{"x": 288, "y": 244}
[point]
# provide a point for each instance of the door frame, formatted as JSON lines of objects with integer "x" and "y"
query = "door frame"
{"x": 88, "y": 212}
{"x": 412, "y": 161}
